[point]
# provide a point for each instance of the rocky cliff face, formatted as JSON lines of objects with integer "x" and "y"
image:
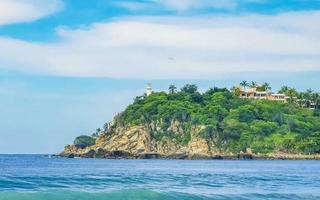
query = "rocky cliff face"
{"x": 140, "y": 142}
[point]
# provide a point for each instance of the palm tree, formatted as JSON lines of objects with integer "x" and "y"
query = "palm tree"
{"x": 172, "y": 89}
{"x": 284, "y": 89}
{"x": 302, "y": 99}
{"x": 266, "y": 86}
{"x": 309, "y": 95}
{"x": 244, "y": 84}
{"x": 253, "y": 84}
{"x": 291, "y": 93}
{"x": 315, "y": 99}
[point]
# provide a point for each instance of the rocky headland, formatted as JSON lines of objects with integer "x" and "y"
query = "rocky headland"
{"x": 216, "y": 124}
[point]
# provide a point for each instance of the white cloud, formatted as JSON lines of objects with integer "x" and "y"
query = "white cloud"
{"x": 167, "y": 47}
{"x": 184, "y": 5}
{"x": 15, "y": 11}
{"x": 194, "y": 4}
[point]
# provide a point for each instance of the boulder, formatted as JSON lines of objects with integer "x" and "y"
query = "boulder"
{"x": 177, "y": 156}
{"x": 100, "y": 153}
{"x": 120, "y": 154}
{"x": 151, "y": 155}
{"x": 89, "y": 154}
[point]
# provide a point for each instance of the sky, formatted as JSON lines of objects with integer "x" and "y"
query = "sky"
{"x": 68, "y": 66}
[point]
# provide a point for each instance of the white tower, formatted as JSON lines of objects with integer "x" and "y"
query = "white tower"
{"x": 148, "y": 89}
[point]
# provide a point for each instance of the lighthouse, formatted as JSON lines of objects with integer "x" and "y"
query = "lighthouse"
{"x": 148, "y": 89}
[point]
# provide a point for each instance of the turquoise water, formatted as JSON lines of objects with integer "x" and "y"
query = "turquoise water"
{"x": 41, "y": 178}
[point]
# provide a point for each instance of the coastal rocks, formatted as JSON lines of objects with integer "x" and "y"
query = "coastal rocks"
{"x": 137, "y": 143}
{"x": 134, "y": 140}
{"x": 118, "y": 154}
{"x": 71, "y": 151}
{"x": 199, "y": 157}
{"x": 177, "y": 156}
{"x": 100, "y": 153}
{"x": 175, "y": 127}
{"x": 168, "y": 147}
{"x": 88, "y": 154}
{"x": 198, "y": 146}
{"x": 150, "y": 155}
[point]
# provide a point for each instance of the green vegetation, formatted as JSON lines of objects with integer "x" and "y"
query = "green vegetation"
{"x": 84, "y": 141}
{"x": 229, "y": 123}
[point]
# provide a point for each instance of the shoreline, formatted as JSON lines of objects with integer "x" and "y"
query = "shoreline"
{"x": 240, "y": 156}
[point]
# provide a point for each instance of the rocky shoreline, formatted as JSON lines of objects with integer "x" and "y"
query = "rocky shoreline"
{"x": 137, "y": 143}
{"x": 102, "y": 154}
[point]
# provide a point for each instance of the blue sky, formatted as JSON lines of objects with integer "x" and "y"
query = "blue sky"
{"x": 67, "y": 66}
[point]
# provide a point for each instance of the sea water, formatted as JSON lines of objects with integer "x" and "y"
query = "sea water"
{"x": 38, "y": 177}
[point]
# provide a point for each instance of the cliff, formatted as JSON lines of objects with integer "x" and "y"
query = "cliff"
{"x": 140, "y": 142}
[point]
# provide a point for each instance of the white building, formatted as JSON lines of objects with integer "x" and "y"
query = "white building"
{"x": 148, "y": 89}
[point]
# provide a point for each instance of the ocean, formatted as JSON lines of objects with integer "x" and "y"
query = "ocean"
{"x": 38, "y": 177}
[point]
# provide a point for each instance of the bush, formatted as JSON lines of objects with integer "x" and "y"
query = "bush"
{"x": 84, "y": 141}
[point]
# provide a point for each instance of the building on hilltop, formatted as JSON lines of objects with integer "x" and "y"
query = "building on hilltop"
{"x": 278, "y": 97}
{"x": 257, "y": 93}
{"x": 149, "y": 89}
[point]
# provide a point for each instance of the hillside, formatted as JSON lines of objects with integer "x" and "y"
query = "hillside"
{"x": 213, "y": 124}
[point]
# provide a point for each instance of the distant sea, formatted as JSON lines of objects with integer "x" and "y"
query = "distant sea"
{"x": 38, "y": 177}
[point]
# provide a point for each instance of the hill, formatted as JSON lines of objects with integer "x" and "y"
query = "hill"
{"x": 214, "y": 124}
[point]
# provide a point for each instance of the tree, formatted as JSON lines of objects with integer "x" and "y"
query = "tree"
{"x": 308, "y": 97}
{"x": 253, "y": 84}
{"x": 172, "y": 89}
{"x": 316, "y": 100}
{"x": 84, "y": 141}
{"x": 139, "y": 99}
{"x": 266, "y": 86}
{"x": 244, "y": 84}
{"x": 236, "y": 91}
{"x": 301, "y": 99}
{"x": 106, "y": 127}
{"x": 291, "y": 93}
{"x": 284, "y": 89}
{"x": 189, "y": 88}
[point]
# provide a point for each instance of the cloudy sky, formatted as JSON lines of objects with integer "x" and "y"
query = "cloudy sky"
{"x": 68, "y": 66}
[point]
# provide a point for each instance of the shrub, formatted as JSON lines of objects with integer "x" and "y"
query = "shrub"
{"x": 84, "y": 141}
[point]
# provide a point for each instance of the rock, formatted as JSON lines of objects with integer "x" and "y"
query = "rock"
{"x": 89, "y": 154}
{"x": 120, "y": 154}
{"x": 151, "y": 155}
{"x": 100, "y": 153}
{"x": 136, "y": 140}
{"x": 217, "y": 157}
{"x": 142, "y": 142}
{"x": 71, "y": 155}
{"x": 199, "y": 157}
{"x": 245, "y": 156}
{"x": 177, "y": 156}
{"x": 198, "y": 146}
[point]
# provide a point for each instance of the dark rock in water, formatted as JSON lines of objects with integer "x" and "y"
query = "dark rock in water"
{"x": 217, "y": 157}
{"x": 177, "y": 156}
{"x": 245, "y": 156}
{"x": 149, "y": 156}
{"x": 71, "y": 155}
{"x": 89, "y": 154}
{"x": 100, "y": 153}
{"x": 119, "y": 154}
{"x": 199, "y": 157}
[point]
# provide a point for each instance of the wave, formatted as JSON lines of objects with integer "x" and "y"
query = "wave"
{"x": 140, "y": 194}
